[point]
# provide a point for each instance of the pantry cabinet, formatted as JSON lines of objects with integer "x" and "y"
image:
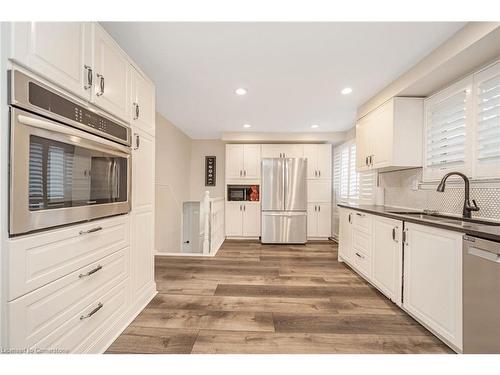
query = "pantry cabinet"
{"x": 112, "y": 75}
{"x": 142, "y": 105}
{"x": 59, "y": 51}
{"x": 242, "y": 219}
{"x": 319, "y": 161}
{"x": 242, "y": 161}
{"x": 282, "y": 150}
{"x": 387, "y": 257}
{"x": 391, "y": 135}
{"x": 433, "y": 280}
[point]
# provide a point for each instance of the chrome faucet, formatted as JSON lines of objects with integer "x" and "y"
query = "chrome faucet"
{"x": 468, "y": 208}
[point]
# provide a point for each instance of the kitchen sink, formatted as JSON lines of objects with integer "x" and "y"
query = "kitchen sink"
{"x": 446, "y": 219}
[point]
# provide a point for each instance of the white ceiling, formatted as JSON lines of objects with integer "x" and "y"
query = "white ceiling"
{"x": 293, "y": 71}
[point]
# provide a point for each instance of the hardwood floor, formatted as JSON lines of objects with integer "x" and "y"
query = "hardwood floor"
{"x": 253, "y": 298}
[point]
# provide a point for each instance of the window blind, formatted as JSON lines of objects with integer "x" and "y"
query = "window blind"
{"x": 353, "y": 175}
{"x": 367, "y": 183}
{"x": 488, "y": 121}
{"x": 344, "y": 173}
{"x": 446, "y": 132}
{"x": 336, "y": 172}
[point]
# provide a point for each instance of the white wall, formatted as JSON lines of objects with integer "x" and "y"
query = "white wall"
{"x": 200, "y": 149}
{"x": 173, "y": 164}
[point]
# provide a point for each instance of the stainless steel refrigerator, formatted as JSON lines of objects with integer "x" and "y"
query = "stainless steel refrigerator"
{"x": 284, "y": 200}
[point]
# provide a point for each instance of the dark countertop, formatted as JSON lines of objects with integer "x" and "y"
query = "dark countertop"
{"x": 490, "y": 232}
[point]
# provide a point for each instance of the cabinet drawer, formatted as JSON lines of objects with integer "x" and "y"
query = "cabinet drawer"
{"x": 362, "y": 262}
{"x": 39, "y": 259}
{"x": 50, "y": 316}
{"x": 361, "y": 241}
{"x": 362, "y": 221}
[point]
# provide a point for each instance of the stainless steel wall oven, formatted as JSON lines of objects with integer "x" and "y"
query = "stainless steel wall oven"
{"x": 69, "y": 162}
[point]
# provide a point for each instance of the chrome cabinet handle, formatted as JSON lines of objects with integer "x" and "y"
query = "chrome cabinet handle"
{"x": 360, "y": 256}
{"x": 98, "y": 268}
{"x": 244, "y": 173}
{"x": 366, "y": 160}
{"x": 136, "y": 116}
{"x": 101, "y": 84}
{"x": 99, "y": 306}
{"x": 350, "y": 218}
{"x": 361, "y": 215}
{"x": 319, "y": 173}
{"x": 240, "y": 172}
{"x": 137, "y": 141}
{"x": 90, "y": 77}
{"x": 96, "y": 229}
{"x": 315, "y": 208}
{"x": 394, "y": 231}
{"x": 244, "y": 208}
{"x": 319, "y": 208}
{"x": 371, "y": 160}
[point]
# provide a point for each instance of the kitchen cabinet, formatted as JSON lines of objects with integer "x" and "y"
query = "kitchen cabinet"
{"x": 142, "y": 110}
{"x": 433, "y": 280}
{"x": 391, "y": 135}
{"x": 319, "y": 219}
{"x": 282, "y": 150}
{"x": 345, "y": 234}
{"x": 319, "y": 161}
{"x": 319, "y": 191}
{"x": 142, "y": 222}
{"x": 387, "y": 257}
{"x": 242, "y": 219}
{"x": 112, "y": 75}
{"x": 242, "y": 161}
{"x": 59, "y": 51}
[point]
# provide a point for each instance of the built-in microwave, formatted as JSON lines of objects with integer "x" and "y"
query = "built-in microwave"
{"x": 68, "y": 161}
{"x": 243, "y": 193}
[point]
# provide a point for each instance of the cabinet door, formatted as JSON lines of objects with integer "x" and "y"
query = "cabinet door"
{"x": 324, "y": 163}
{"x": 143, "y": 164}
{"x": 59, "y": 51}
{"x": 142, "y": 251}
{"x": 293, "y": 151}
{"x": 324, "y": 219}
{"x": 319, "y": 191}
{"x": 381, "y": 135}
{"x": 251, "y": 219}
{"x": 345, "y": 233}
{"x": 387, "y": 257}
{"x": 112, "y": 75}
{"x": 251, "y": 162}
{"x": 312, "y": 220}
{"x": 433, "y": 280}
{"x": 142, "y": 106}
{"x": 234, "y": 161}
{"x": 272, "y": 151}
{"x": 362, "y": 143}
{"x": 311, "y": 153}
{"x": 234, "y": 219}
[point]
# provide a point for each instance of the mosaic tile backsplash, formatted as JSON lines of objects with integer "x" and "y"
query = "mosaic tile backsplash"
{"x": 398, "y": 192}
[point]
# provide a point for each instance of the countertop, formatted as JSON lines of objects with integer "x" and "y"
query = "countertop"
{"x": 490, "y": 232}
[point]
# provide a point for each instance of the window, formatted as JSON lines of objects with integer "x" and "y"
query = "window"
{"x": 349, "y": 185}
{"x": 462, "y": 128}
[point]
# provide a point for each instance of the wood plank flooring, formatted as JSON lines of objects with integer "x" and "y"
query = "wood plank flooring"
{"x": 253, "y": 298}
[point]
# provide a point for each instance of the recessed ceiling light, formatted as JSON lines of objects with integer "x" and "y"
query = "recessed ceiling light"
{"x": 346, "y": 90}
{"x": 240, "y": 91}
{"x": 247, "y": 126}
{"x": 314, "y": 126}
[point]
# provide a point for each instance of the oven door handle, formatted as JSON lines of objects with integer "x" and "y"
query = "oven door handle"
{"x": 68, "y": 131}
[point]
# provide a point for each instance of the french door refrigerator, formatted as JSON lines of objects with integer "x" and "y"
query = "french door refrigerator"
{"x": 284, "y": 200}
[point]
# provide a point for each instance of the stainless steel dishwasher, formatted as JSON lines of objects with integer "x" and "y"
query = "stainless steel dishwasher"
{"x": 481, "y": 295}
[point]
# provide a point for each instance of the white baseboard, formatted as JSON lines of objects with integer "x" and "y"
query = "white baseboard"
{"x": 105, "y": 341}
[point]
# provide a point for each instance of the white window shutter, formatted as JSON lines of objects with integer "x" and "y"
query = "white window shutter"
{"x": 447, "y": 131}
{"x": 487, "y": 124}
{"x": 367, "y": 183}
{"x": 353, "y": 175}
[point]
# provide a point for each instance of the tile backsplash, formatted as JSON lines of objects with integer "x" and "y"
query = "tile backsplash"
{"x": 399, "y": 190}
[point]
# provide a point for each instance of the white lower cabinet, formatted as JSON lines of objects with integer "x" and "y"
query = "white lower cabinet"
{"x": 433, "y": 280}
{"x": 345, "y": 234}
{"x": 387, "y": 257}
{"x": 242, "y": 219}
{"x": 319, "y": 220}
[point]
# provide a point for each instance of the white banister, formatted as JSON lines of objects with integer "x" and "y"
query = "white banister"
{"x": 206, "y": 221}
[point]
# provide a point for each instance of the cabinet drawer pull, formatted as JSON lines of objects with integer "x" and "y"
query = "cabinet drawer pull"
{"x": 91, "y": 272}
{"x": 136, "y": 116}
{"x": 101, "y": 84}
{"x": 360, "y": 215}
{"x": 366, "y": 160}
{"x": 99, "y": 306}
{"x": 350, "y": 218}
{"x": 137, "y": 141}
{"x": 90, "y": 77}
{"x": 319, "y": 173}
{"x": 360, "y": 256}
{"x": 96, "y": 229}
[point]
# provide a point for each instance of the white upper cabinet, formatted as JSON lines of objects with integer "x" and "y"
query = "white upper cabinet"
{"x": 142, "y": 110}
{"x": 112, "y": 75}
{"x": 433, "y": 280}
{"x": 391, "y": 135}
{"x": 447, "y": 129}
{"x": 242, "y": 161}
{"x": 59, "y": 51}
{"x": 282, "y": 150}
{"x": 487, "y": 127}
{"x": 319, "y": 160}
